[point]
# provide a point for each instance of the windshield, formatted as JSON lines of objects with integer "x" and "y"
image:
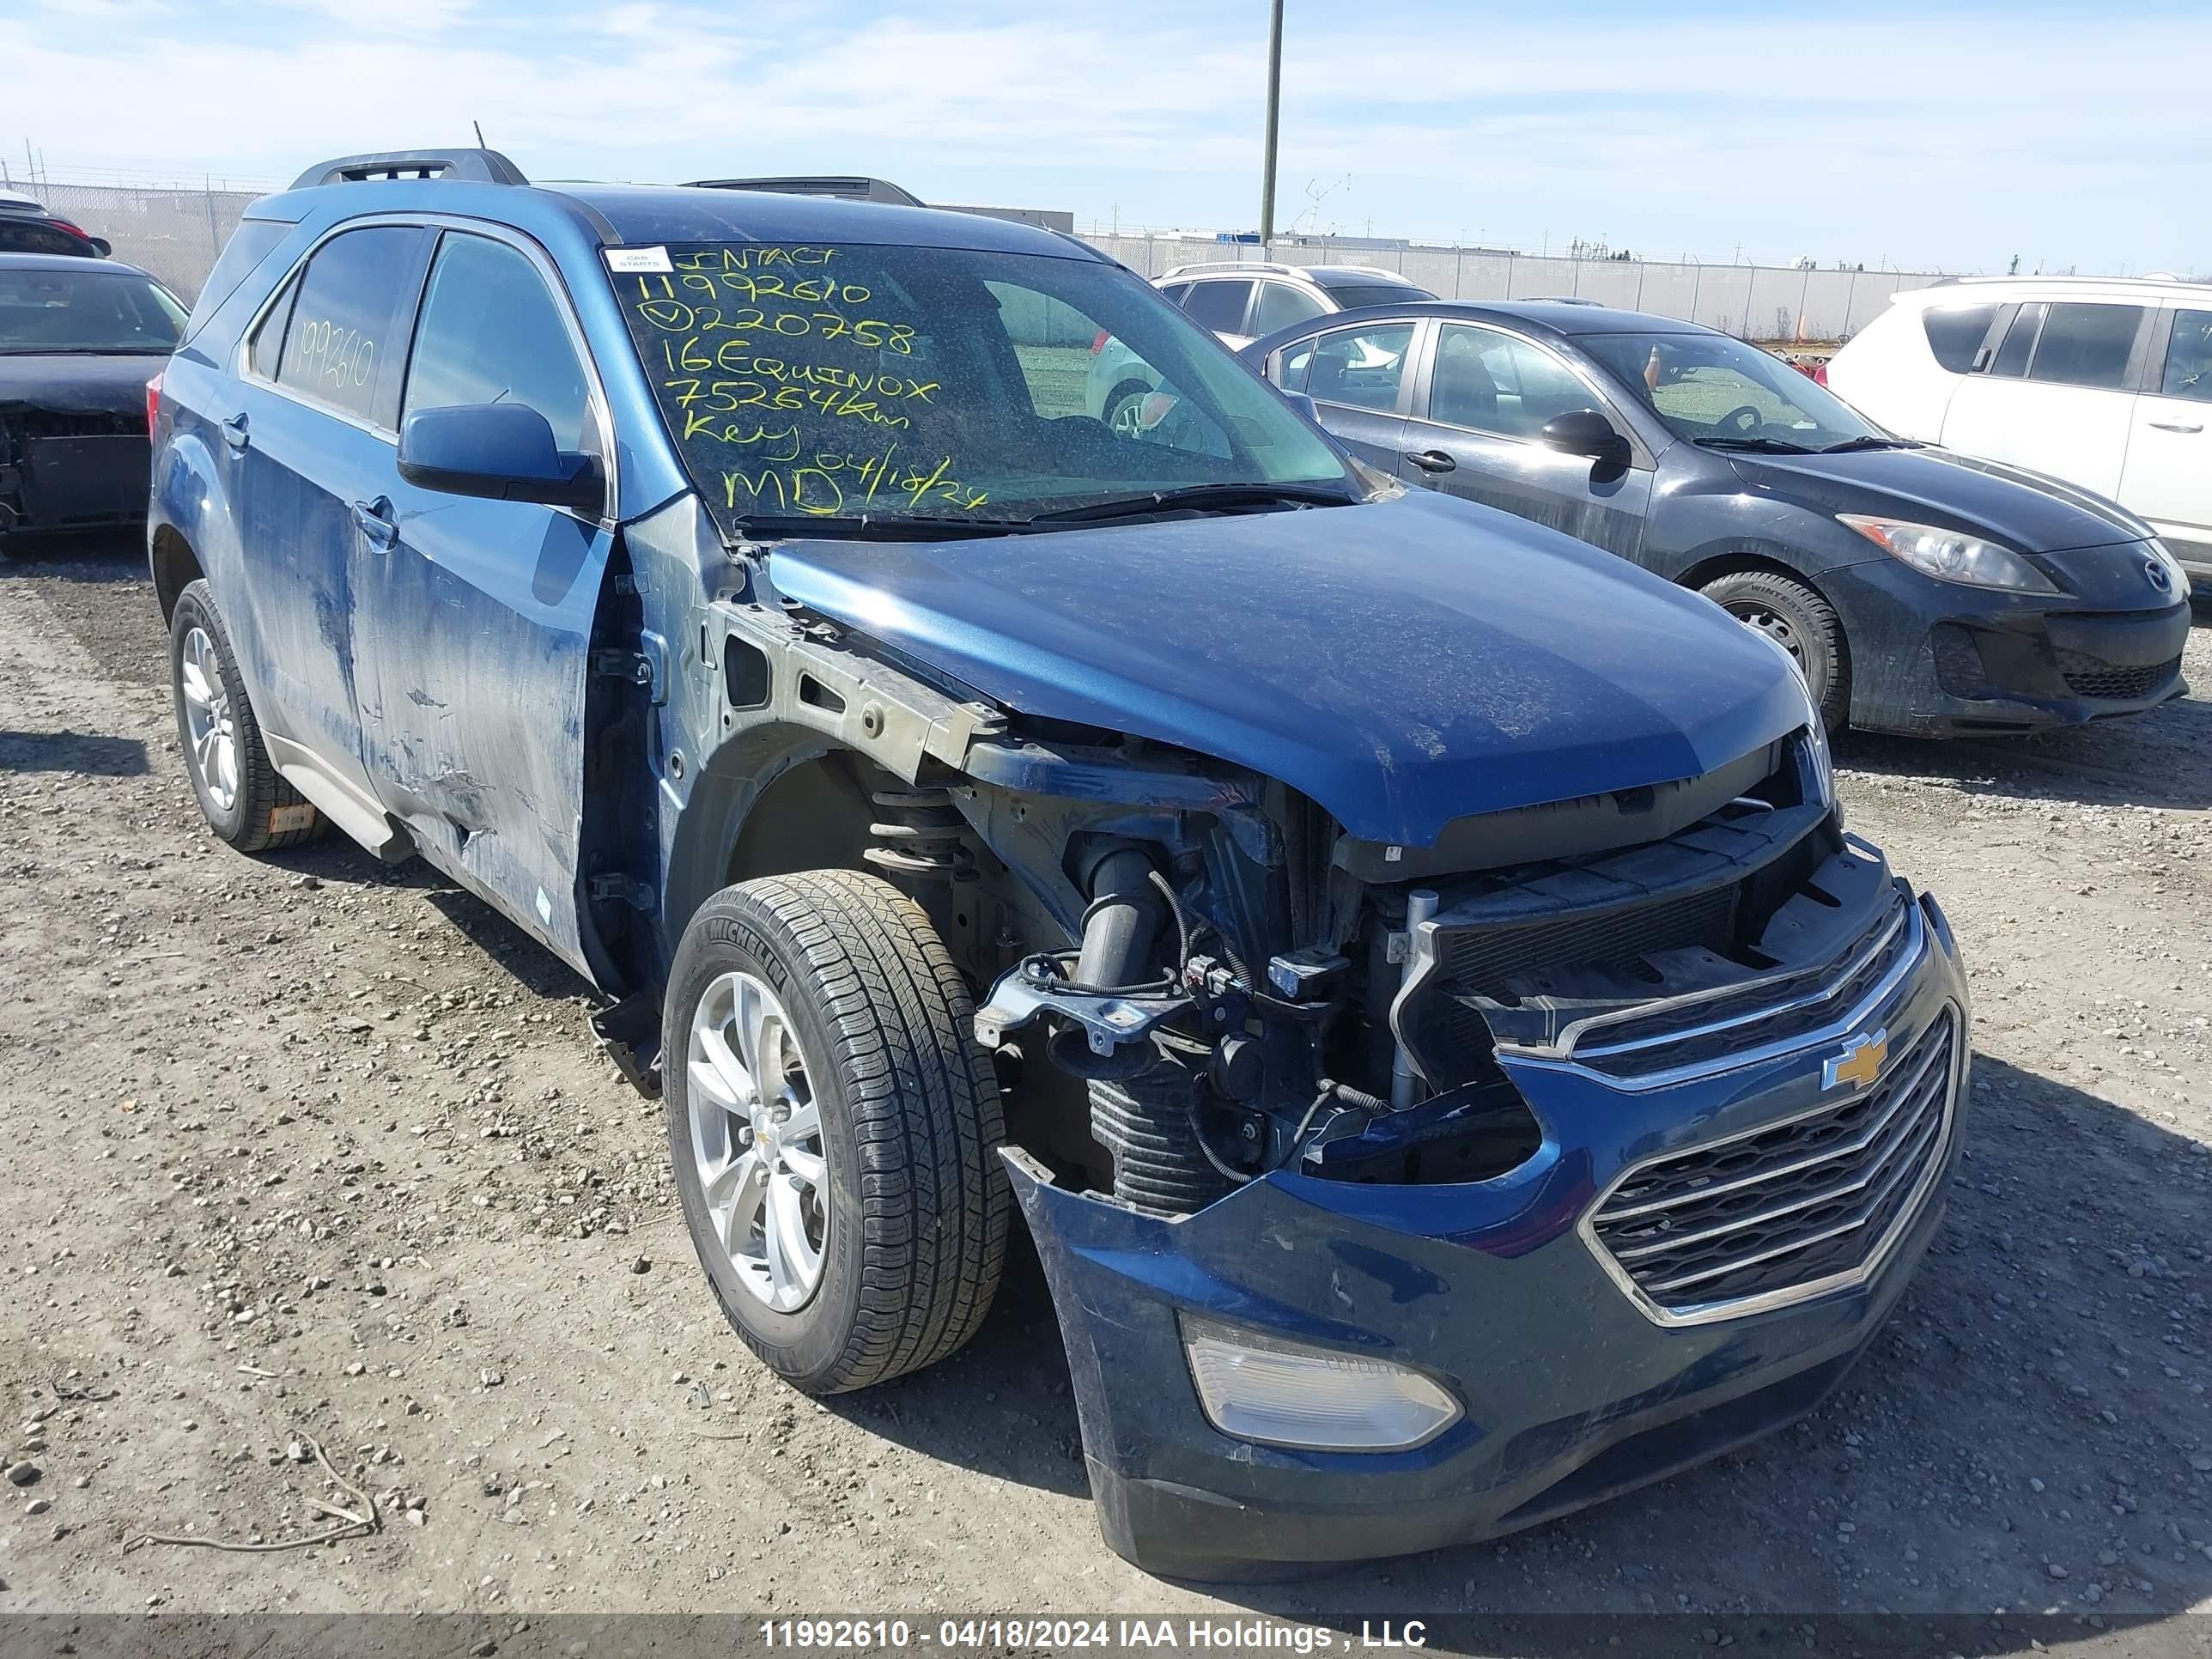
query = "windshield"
{"x": 1351, "y": 296}
{"x": 1712, "y": 389}
{"x": 945, "y": 383}
{"x": 86, "y": 310}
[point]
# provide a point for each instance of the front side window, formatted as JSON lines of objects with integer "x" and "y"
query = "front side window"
{"x": 1714, "y": 390}
{"x": 338, "y": 345}
{"x": 1281, "y": 305}
{"x": 1955, "y": 333}
{"x": 2087, "y": 344}
{"x": 1218, "y": 306}
{"x": 1363, "y": 368}
{"x": 2189, "y": 357}
{"x": 1495, "y": 383}
{"x": 898, "y": 383}
{"x": 491, "y": 334}
{"x": 95, "y": 310}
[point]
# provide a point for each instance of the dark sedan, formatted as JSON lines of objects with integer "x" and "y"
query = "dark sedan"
{"x": 79, "y": 339}
{"x": 1918, "y": 590}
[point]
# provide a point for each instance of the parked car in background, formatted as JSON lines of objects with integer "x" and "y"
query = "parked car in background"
{"x": 2105, "y": 382}
{"x": 1451, "y": 1061}
{"x": 1238, "y": 301}
{"x": 1918, "y": 590}
{"x": 79, "y": 339}
{"x": 26, "y": 227}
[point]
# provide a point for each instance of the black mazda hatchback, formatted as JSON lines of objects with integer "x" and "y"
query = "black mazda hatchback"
{"x": 1920, "y": 591}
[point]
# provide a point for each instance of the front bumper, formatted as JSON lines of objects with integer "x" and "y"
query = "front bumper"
{"x": 1572, "y": 1392}
{"x": 1933, "y": 659}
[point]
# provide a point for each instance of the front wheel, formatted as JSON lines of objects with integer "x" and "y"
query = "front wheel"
{"x": 834, "y": 1128}
{"x": 1803, "y": 623}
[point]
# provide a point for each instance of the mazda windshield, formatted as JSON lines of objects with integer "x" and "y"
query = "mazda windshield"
{"x": 1720, "y": 393}
{"x": 942, "y": 389}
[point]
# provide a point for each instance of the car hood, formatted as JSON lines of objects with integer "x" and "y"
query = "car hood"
{"x": 63, "y": 381}
{"x": 2023, "y": 510}
{"x": 1404, "y": 663}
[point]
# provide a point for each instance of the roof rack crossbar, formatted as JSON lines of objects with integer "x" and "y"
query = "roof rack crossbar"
{"x": 483, "y": 167}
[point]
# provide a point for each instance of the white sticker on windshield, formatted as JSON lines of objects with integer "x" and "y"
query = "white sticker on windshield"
{"x": 624, "y": 260}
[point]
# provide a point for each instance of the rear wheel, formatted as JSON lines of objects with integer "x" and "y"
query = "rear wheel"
{"x": 244, "y": 801}
{"x": 834, "y": 1128}
{"x": 1803, "y": 623}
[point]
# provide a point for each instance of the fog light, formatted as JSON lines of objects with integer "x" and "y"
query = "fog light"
{"x": 1281, "y": 1393}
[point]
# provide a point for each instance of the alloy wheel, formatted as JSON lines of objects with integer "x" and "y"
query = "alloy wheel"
{"x": 756, "y": 1139}
{"x": 209, "y": 721}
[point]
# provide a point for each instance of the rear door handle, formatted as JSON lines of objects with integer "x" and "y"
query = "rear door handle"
{"x": 1432, "y": 460}
{"x": 2178, "y": 426}
{"x": 374, "y": 519}
{"x": 234, "y": 431}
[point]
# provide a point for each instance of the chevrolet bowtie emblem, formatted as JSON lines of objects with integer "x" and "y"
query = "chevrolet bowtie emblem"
{"x": 1860, "y": 1063}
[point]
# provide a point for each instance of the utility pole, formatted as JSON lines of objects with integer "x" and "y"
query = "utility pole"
{"x": 1275, "y": 113}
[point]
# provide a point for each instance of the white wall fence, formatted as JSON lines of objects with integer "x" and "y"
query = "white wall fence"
{"x": 1768, "y": 303}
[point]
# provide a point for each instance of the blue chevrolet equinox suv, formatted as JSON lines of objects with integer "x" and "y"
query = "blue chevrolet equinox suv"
{"x": 1406, "y": 967}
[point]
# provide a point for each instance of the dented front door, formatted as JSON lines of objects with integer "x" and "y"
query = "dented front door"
{"x": 472, "y": 721}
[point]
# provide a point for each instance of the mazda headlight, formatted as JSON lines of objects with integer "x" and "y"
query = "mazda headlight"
{"x": 1284, "y": 1394}
{"x": 2177, "y": 577}
{"x": 1950, "y": 555}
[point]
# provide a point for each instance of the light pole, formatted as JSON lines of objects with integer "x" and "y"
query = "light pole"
{"x": 1274, "y": 110}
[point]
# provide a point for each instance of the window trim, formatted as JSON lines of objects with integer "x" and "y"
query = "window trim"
{"x": 442, "y": 224}
{"x": 1599, "y": 401}
{"x": 1416, "y": 356}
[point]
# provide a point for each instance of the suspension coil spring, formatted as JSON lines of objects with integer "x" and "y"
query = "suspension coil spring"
{"x": 920, "y": 835}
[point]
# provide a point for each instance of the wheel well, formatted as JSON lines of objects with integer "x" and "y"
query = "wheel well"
{"x": 815, "y": 816}
{"x": 176, "y": 566}
{"x": 1738, "y": 561}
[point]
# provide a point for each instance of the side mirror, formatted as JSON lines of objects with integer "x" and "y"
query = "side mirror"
{"x": 101, "y": 246}
{"x": 503, "y": 452}
{"x": 1304, "y": 405}
{"x": 1586, "y": 432}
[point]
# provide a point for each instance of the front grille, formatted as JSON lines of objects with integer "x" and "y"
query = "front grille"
{"x": 1698, "y": 1029}
{"x": 1790, "y": 1208}
{"x": 2093, "y": 676}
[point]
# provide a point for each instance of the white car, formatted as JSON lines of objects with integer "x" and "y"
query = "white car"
{"x": 1239, "y": 302}
{"x": 2102, "y": 381}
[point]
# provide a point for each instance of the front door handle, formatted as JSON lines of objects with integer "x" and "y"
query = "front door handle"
{"x": 1432, "y": 460}
{"x": 2178, "y": 426}
{"x": 234, "y": 431}
{"x": 376, "y": 523}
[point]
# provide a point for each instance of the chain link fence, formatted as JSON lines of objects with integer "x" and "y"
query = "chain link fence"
{"x": 176, "y": 234}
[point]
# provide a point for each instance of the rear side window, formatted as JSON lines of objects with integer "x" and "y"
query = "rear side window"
{"x": 491, "y": 332}
{"x": 1281, "y": 305}
{"x": 1350, "y": 297}
{"x": 338, "y": 346}
{"x": 1175, "y": 292}
{"x": 254, "y": 241}
{"x": 1955, "y": 334}
{"x": 2189, "y": 357}
{"x": 2019, "y": 341}
{"x": 2087, "y": 344}
{"x": 1361, "y": 367}
{"x": 1218, "y": 306}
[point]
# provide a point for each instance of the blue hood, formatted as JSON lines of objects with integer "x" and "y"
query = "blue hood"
{"x": 1403, "y": 663}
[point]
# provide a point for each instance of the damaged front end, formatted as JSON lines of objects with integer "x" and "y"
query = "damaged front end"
{"x": 71, "y": 468}
{"x": 1426, "y": 1192}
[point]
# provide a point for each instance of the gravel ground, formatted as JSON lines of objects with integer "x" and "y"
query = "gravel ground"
{"x": 309, "y": 1150}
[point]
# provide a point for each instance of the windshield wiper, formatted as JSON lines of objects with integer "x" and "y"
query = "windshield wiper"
{"x": 884, "y": 526}
{"x": 1872, "y": 442}
{"x": 1225, "y": 496}
{"x": 1765, "y": 445}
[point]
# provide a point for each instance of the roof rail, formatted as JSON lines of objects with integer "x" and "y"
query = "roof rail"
{"x": 483, "y": 167}
{"x": 851, "y": 187}
{"x": 1225, "y": 264}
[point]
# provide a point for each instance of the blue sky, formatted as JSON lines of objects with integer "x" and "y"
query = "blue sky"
{"x": 1928, "y": 135}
